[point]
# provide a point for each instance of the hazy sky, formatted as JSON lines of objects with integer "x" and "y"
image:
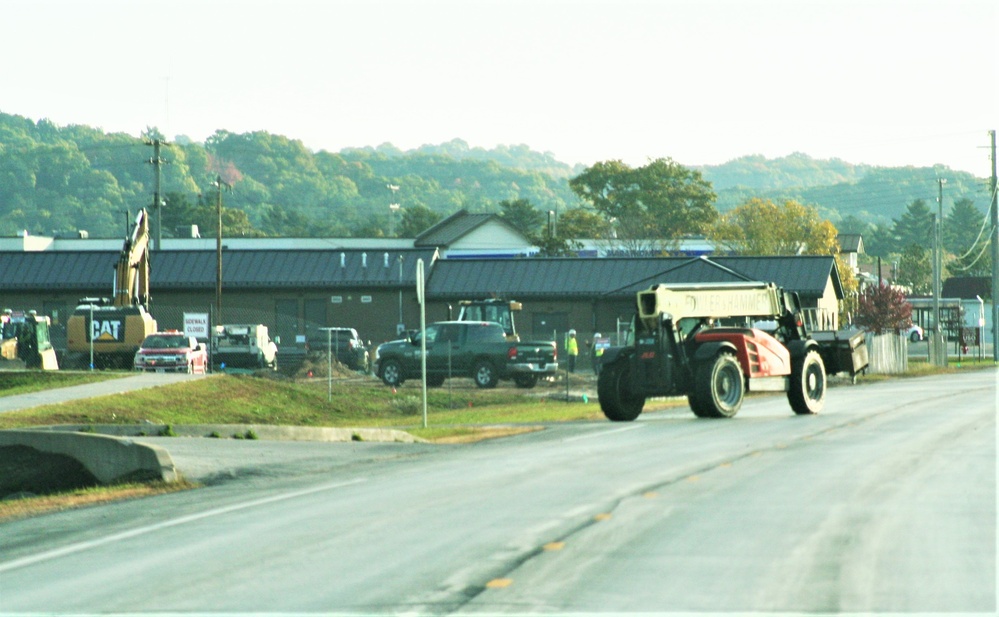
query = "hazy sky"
{"x": 887, "y": 82}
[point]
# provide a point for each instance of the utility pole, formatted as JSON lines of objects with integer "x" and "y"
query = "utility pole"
{"x": 937, "y": 340}
{"x": 995, "y": 256}
{"x": 218, "y": 249}
{"x": 156, "y": 161}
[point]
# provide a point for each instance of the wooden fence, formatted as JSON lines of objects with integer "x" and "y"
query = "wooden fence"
{"x": 888, "y": 353}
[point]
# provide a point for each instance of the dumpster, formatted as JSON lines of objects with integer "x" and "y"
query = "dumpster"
{"x": 842, "y": 351}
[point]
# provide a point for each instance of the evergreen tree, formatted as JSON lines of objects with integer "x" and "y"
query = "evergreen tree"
{"x": 915, "y": 226}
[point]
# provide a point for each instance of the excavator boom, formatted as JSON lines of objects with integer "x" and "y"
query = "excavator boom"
{"x": 132, "y": 272}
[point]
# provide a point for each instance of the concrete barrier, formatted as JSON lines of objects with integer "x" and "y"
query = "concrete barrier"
{"x": 109, "y": 459}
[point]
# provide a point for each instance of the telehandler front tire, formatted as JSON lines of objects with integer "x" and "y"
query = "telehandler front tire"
{"x": 807, "y": 391}
{"x": 718, "y": 387}
{"x": 616, "y": 401}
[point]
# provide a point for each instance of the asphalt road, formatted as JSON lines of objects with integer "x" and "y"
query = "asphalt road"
{"x": 886, "y": 502}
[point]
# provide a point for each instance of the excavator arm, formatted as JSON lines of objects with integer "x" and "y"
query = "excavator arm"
{"x": 131, "y": 284}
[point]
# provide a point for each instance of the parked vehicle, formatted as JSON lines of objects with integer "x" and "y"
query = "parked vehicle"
{"x": 171, "y": 352}
{"x": 478, "y": 350}
{"x": 25, "y": 341}
{"x": 347, "y": 347}
{"x": 679, "y": 349}
{"x": 247, "y": 346}
{"x": 914, "y": 332}
{"x": 494, "y": 309}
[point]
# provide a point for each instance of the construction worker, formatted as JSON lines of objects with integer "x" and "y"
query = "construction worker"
{"x": 572, "y": 350}
{"x": 598, "y": 350}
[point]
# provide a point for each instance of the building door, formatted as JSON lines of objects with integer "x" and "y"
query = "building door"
{"x": 315, "y": 318}
{"x": 286, "y": 323}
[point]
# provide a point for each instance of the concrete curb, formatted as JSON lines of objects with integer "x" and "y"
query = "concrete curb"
{"x": 109, "y": 459}
{"x": 239, "y": 431}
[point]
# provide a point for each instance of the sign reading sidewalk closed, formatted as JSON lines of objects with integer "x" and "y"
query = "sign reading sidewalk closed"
{"x": 196, "y": 325}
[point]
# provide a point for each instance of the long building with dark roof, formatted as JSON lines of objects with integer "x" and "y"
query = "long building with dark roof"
{"x": 297, "y": 292}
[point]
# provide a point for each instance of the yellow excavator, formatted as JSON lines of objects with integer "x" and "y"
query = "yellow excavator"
{"x": 103, "y": 333}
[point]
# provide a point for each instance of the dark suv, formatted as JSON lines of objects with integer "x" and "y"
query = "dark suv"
{"x": 347, "y": 347}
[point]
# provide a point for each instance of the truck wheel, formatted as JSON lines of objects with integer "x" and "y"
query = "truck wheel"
{"x": 807, "y": 393}
{"x": 526, "y": 381}
{"x": 718, "y": 387}
{"x": 392, "y": 373}
{"x": 616, "y": 401}
{"x": 484, "y": 374}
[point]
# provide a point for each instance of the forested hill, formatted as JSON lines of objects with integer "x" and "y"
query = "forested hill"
{"x": 840, "y": 190}
{"x": 57, "y": 179}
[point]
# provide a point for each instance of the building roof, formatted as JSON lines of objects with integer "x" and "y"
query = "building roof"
{"x": 851, "y": 243}
{"x": 89, "y": 270}
{"x": 806, "y": 274}
{"x": 591, "y": 278}
{"x": 610, "y": 277}
{"x": 454, "y": 227}
{"x": 968, "y": 287}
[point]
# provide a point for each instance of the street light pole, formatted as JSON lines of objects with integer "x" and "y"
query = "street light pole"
{"x": 393, "y": 208}
{"x": 329, "y": 364}
{"x": 400, "y": 327}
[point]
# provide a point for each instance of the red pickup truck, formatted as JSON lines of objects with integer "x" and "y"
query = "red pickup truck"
{"x": 171, "y": 352}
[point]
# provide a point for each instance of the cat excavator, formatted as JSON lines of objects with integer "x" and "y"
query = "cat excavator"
{"x": 106, "y": 333}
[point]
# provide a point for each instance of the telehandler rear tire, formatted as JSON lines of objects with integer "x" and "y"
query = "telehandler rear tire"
{"x": 718, "y": 387}
{"x": 807, "y": 391}
{"x": 616, "y": 401}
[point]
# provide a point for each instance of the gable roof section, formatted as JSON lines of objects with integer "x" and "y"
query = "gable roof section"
{"x": 196, "y": 269}
{"x": 549, "y": 277}
{"x": 452, "y": 228}
{"x": 850, "y": 243}
{"x": 806, "y": 274}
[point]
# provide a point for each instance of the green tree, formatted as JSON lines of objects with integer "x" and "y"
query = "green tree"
{"x": 416, "y": 220}
{"x": 963, "y": 226}
{"x": 522, "y": 215}
{"x": 654, "y": 206}
{"x": 915, "y": 226}
{"x": 555, "y": 245}
{"x": 761, "y": 227}
{"x": 915, "y": 269}
{"x": 578, "y": 223}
